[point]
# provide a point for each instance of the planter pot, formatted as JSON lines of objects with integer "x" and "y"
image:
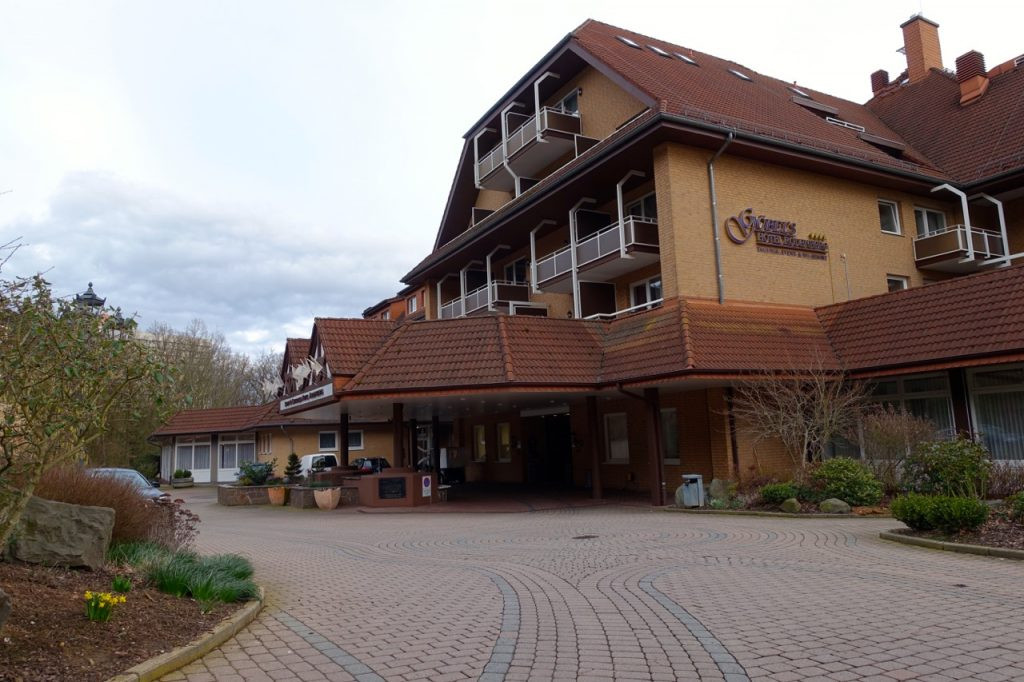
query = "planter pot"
{"x": 181, "y": 482}
{"x": 327, "y": 498}
{"x": 278, "y": 495}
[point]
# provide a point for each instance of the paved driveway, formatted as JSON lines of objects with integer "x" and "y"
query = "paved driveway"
{"x": 611, "y": 592}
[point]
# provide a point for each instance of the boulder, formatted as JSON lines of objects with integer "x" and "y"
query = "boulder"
{"x": 790, "y": 506}
{"x": 721, "y": 489}
{"x": 59, "y": 534}
{"x": 834, "y": 506}
{"x": 5, "y": 608}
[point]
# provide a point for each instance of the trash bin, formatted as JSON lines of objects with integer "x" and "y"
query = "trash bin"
{"x": 693, "y": 490}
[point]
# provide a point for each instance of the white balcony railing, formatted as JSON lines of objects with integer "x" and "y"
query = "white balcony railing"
{"x": 452, "y": 308}
{"x": 502, "y": 291}
{"x": 605, "y": 242}
{"x": 625, "y": 311}
{"x": 957, "y": 241}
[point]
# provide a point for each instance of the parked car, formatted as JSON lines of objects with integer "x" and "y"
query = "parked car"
{"x": 370, "y": 465}
{"x": 148, "y": 489}
{"x": 310, "y": 462}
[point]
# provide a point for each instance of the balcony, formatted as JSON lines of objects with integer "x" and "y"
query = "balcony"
{"x": 504, "y": 296}
{"x": 599, "y": 255}
{"x": 958, "y": 249}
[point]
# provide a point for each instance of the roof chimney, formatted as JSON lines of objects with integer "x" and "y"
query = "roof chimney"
{"x": 971, "y": 75}
{"x": 921, "y": 44}
{"x": 879, "y": 79}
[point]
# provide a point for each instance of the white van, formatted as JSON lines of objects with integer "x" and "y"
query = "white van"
{"x": 309, "y": 460}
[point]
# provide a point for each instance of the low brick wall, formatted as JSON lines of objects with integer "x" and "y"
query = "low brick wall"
{"x": 236, "y": 495}
{"x": 349, "y": 496}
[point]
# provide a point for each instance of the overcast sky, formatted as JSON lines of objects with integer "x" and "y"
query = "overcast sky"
{"x": 256, "y": 164}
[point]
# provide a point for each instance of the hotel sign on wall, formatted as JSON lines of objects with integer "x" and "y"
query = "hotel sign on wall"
{"x": 313, "y": 395}
{"x": 774, "y": 236}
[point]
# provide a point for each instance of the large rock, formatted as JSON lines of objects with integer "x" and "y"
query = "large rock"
{"x": 790, "y": 506}
{"x": 834, "y": 506}
{"x": 5, "y": 608}
{"x": 59, "y": 534}
{"x": 721, "y": 489}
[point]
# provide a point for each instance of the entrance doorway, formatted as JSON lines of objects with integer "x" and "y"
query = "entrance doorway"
{"x": 547, "y": 445}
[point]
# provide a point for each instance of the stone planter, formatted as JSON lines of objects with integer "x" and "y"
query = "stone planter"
{"x": 301, "y": 497}
{"x": 277, "y": 495}
{"x": 181, "y": 482}
{"x": 327, "y": 498}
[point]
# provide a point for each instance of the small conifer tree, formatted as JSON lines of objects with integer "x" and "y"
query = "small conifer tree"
{"x": 293, "y": 471}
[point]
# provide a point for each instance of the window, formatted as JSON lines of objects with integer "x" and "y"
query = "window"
{"x": 504, "y": 442}
{"x": 797, "y": 91}
{"x": 997, "y": 396}
{"x": 570, "y": 104}
{"x": 645, "y": 207}
{"x": 929, "y": 221}
{"x": 925, "y": 396}
{"x": 265, "y": 443}
{"x": 669, "y": 436}
{"x": 657, "y": 50}
{"x": 627, "y": 41}
{"x": 515, "y": 271}
{"x": 479, "y": 443}
{"x": 328, "y": 440}
{"x": 740, "y": 74}
{"x": 192, "y": 453}
{"x": 386, "y": 315}
{"x": 896, "y": 282}
{"x": 688, "y": 60}
{"x": 616, "y": 438}
{"x": 355, "y": 440}
{"x": 647, "y": 291}
{"x": 889, "y": 217}
{"x": 412, "y": 305}
{"x": 234, "y": 450}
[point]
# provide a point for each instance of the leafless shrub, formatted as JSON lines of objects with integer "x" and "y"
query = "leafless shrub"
{"x": 888, "y": 435}
{"x": 1005, "y": 479}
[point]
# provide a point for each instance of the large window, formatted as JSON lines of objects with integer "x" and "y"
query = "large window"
{"x": 355, "y": 440}
{"x": 515, "y": 271}
{"x": 889, "y": 217}
{"x": 504, "y": 442}
{"x": 645, "y": 207}
{"x": 616, "y": 438}
{"x": 929, "y": 221}
{"x": 647, "y": 291}
{"x": 479, "y": 443}
{"x": 998, "y": 401}
{"x": 670, "y": 435}
{"x": 192, "y": 453}
{"x": 924, "y": 396}
{"x": 234, "y": 450}
{"x": 328, "y": 441}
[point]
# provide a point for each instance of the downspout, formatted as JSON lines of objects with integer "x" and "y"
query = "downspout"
{"x": 714, "y": 216}
{"x": 536, "y": 101}
{"x": 622, "y": 215}
{"x": 967, "y": 215}
{"x": 533, "y": 254}
{"x": 576, "y": 308}
{"x": 490, "y": 294}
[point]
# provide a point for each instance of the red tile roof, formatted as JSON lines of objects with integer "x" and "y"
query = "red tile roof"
{"x": 213, "y": 420}
{"x": 349, "y": 343}
{"x": 971, "y": 142}
{"x": 978, "y": 315}
{"x": 295, "y": 351}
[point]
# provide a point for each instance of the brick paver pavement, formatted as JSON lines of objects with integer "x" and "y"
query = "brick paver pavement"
{"x": 606, "y": 593}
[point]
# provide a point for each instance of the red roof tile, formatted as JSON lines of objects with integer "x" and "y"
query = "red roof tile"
{"x": 214, "y": 420}
{"x": 981, "y": 314}
{"x": 349, "y": 343}
{"x": 295, "y": 351}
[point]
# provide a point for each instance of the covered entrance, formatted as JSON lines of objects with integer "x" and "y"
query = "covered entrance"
{"x": 547, "y": 449}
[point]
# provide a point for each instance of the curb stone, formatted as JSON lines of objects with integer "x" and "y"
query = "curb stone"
{"x": 158, "y": 666}
{"x": 779, "y": 515}
{"x": 980, "y": 550}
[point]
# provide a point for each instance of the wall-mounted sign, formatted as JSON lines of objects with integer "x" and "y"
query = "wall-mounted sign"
{"x": 426, "y": 484}
{"x": 774, "y": 236}
{"x": 391, "y": 488}
{"x": 313, "y": 395}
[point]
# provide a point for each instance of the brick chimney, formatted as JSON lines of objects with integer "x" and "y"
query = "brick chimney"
{"x": 971, "y": 75}
{"x": 921, "y": 44}
{"x": 879, "y": 79}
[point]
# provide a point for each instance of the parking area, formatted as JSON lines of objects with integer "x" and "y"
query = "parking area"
{"x": 607, "y": 592}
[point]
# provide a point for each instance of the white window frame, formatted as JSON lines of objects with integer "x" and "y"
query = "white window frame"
{"x": 411, "y": 305}
{"x": 509, "y": 271}
{"x": 362, "y": 440}
{"x": 320, "y": 444}
{"x": 264, "y": 443}
{"x": 903, "y": 281}
{"x": 479, "y": 443}
{"x": 901, "y": 395}
{"x": 647, "y": 287}
{"x": 608, "y": 452}
{"x": 560, "y": 106}
{"x": 234, "y": 440}
{"x": 974, "y": 391}
{"x": 639, "y": 204}
{"x": 190, "y": 443}
{"x": 925, "y": 211}
{"x": 665, "y": 411}
{"x": 895, "y": 214}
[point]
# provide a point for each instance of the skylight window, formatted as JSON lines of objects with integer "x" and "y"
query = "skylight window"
{"x": 740, "y": 74}
{"x": 686, "y": 59}
{"x": 844, "y": 124}
{"x": 627, "y": 41}
{"x": 798, "y": 91}
{"x": 658, "y": 50}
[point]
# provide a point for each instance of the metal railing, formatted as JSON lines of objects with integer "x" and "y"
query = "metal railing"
{"x": 953, "y": 241}
{"x": 550, "y": 119}
{"x": 490, "y": 162}
{"x": 452, "y": 308}
{"x": 625, "y": 311}
{"x": 606, "y": 241}
{"x": 477, "y": 299}
{"x": 554, "y": 264}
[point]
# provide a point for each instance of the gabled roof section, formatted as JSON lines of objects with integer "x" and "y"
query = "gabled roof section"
{"x": 349, "y": 342}
{"x": 980, "y": 140}
{"x": 295, "y": 351}
{"x": 977, "y": 315}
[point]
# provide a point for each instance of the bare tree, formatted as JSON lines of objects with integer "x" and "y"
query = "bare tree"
{"x": 804, "y": 409}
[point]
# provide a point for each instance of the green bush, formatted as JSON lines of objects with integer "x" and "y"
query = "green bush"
{"x": 217, "y": 578}
{"x": 957, "y": 468}
{"x": 256, "y": 473}
{"x": 940, "y": 512}
{"x": 1014, "y": 505}
{"x": 777, "y": 493}
{"x": 230, "y": 564}
{"x": 181, "y": 473}
{"x": 848, "y": 480}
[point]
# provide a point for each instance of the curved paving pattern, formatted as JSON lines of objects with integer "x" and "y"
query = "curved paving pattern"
{"x": 607, "y": 593}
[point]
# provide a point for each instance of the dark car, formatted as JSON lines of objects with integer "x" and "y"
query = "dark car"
{"x": 371, "y": 465}
{"x": 148, "y": 489}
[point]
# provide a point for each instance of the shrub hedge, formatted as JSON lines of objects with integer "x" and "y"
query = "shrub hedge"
{"x": 777, "y": 493}
{"x": 957, "y": 468}
{"x": 940, "y": 512}
{"x": 848, "y": 480}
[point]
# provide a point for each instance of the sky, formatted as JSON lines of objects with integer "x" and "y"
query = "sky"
{"x": 255, "y": 164}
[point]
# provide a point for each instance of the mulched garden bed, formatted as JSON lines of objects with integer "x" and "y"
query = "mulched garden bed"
{"x": 48, "y": 636}
{"x": 996, "y": 532}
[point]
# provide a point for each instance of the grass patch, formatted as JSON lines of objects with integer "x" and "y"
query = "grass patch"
{"x": 219, "y": 578}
